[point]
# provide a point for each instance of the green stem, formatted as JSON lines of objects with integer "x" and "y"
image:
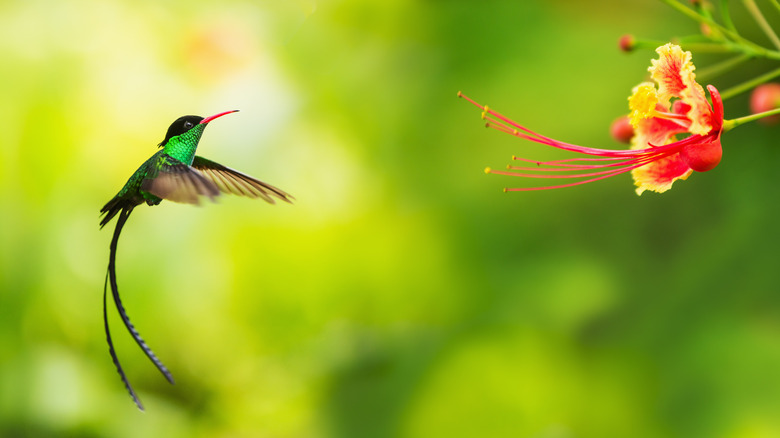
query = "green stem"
{"x": 726, "y": 15}
{"x": 647, "y": 44}
{"x": 745, "y": 86}
{"x": 728, "y": 125}
{"x": 761, "y": 20}
{"x": 696, "y": 47}
{"x": 748, "y": 46}
{"x": 775, "y": 4}
{"x": 712, "y": 47}
{"x": 715, "y": 70}
{"x": 701, "y": 19}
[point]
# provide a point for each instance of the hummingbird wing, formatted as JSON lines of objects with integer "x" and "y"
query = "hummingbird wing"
{"x": 237, "y": 183}
{"x": 178, "y": 182}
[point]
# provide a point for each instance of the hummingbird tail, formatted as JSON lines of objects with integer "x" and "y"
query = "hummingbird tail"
{"x": 114, "y": 206}
{"x": 113, "y": 352}
{"x": 125, "y": 210}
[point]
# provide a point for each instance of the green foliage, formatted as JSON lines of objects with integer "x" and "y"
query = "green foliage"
{"x": 403, "y": 295}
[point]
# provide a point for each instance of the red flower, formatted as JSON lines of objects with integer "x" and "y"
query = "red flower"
{"x": 656, "y": 158}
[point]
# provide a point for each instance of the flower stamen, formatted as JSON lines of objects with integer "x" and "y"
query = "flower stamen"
{"x": 674, "y": 104}
{"x": 681, "y": 119}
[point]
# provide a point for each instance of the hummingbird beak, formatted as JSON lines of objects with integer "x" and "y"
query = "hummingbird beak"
{"x": 208, "y": 119}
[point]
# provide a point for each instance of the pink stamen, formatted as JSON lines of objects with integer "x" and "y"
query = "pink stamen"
{"x": 538, "y": 138}
{"x": 604, "y": 176}
{"x": 679, "y": 119}
{"x": 615, "y": 161}
{"x": 573, "y": 167}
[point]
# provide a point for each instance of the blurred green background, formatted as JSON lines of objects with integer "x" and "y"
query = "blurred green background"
{"x": 404, "y": 294}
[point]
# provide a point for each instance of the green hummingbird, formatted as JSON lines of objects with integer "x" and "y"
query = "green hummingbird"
{"x": 176, "y": 174}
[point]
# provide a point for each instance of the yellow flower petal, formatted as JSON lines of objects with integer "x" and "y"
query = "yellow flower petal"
{"x": 659, "y": 176}
{"x": 673, "y": 71}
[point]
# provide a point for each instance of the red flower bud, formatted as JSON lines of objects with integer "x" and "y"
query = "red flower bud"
{"x": 764, "y": 98}
{"x": 626, "y": 43}
{"x": 621, "y": 129}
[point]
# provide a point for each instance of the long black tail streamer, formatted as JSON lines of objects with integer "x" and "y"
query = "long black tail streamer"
{"x": 111, "y": 275}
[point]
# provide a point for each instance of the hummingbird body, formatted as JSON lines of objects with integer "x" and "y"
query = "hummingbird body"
{"x": 132, "y": 188}
{"x": 174, "y": 173}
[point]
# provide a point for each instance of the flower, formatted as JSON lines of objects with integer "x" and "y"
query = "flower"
{"x": 656, "y": 159}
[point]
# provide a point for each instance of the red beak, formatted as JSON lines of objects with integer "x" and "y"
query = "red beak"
{"x": 208, "y": 119}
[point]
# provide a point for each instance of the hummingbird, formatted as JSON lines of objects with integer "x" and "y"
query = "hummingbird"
{"x": 176, "y": 174}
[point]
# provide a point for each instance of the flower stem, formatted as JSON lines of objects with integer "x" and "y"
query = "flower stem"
{"x": 751, "y": 6}
{"x": 712, "y": 47}
{"x": 696, "y": 47}
{"x": 702, "y": 19}
{"x": 745, "y": 86}
{"x": 726, "y": 15}
{"x": 647, "y": 44}
{"x": 747, "y": 46}
{"x": 775, "y": 4}
{"x": 722, "y": 67}
{"x": 728, "y": 125}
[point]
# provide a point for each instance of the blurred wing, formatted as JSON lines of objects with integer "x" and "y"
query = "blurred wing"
{"x": 237, "y": 183}
{"x": 178, "y": 182}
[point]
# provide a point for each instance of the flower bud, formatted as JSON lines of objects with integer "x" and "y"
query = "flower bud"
{"x": 621, "y": 129}
{"x": 764, "y": 98}
{"x": 626, "y": 43}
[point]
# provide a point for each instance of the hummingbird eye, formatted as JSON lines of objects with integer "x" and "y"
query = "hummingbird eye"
{"x": 188, "y": 125}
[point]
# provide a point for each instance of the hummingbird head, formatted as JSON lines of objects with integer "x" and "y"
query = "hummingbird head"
{"x": 185, "y": 123}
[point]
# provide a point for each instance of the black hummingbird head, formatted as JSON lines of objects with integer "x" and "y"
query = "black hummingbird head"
{"x": 185, "y": 123}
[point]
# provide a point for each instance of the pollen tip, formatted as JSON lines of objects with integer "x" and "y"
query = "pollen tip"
{"x": 514, "y": 157}
{"x": 488, "y": 170}
{"x": 486, "y": 108}
{"x": 508, "y": 167}
{"x": 460, "y": 94}
{"x": 506, "y": 189}
{"x": 514, "y": 132}
{"x": 487, "y": 125}
{"x": 484, "y": 115}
